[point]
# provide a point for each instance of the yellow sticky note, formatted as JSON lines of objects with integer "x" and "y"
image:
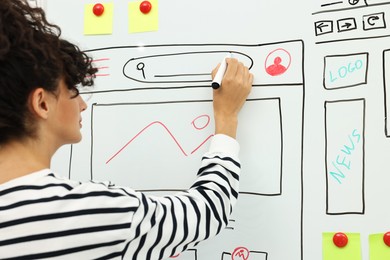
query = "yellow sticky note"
{"x": 378, "y": 249}
{"x": 98, "y": 24}
{"x": 352, "y": 251}
{"x": 140, "y": 22}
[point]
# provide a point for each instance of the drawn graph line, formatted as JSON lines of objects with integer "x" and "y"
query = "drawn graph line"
{"x": 158, "y": 123}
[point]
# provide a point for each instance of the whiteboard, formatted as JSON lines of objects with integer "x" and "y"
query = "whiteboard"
{"x": 313, "y": 135}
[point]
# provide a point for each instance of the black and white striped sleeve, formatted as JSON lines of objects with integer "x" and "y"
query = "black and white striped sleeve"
{"x": 166, "y": 226}
{"x": 44, "y": 216}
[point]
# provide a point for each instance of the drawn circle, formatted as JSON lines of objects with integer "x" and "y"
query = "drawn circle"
{"x": 140, "y": 66}
{"x": 201, "y": 125}
{"x": 240, "y": 253}
{"x": 353, "y": 2}
{"x": 277, "y": 62}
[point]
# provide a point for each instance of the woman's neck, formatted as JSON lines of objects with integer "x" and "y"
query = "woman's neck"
{"x": 21, "y": 158}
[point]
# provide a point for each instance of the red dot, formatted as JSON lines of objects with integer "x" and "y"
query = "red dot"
{"x": 98, "y": 9}
{"x": 386, "y": 238}
{"x": 340, "y": 239}
{"x": 145, "y": 7}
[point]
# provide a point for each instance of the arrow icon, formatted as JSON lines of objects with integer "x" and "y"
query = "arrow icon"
{"x": 374, "y": 21}
{"x": 320, "y": 26}
{"x": 371, "y": 20}
{"x": 346, "y": 24}
{"x": 323, "y": 27}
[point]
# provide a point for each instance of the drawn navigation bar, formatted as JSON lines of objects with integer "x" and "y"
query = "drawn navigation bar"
{"x": 365, "y": 22}
{"x": 148, "y": 67}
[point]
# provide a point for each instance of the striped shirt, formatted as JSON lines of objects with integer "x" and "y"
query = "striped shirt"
{"x": 45, "y": 216}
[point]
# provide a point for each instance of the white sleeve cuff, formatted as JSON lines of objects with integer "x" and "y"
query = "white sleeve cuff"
{"x": 224, "y": 144}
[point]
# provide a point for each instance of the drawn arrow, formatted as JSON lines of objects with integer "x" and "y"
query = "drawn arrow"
{"x": 346, "y": 25}
{"x": 371, "y": 20}
{"x": 321, "y": 25}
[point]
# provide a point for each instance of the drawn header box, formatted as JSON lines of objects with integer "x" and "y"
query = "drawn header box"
{"x": 344, "y": 71}
{"x": 190, "y": 65}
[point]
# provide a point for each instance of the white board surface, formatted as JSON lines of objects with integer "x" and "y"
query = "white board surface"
{"x": 303, "y": 132}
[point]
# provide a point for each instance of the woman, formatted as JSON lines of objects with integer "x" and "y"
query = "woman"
{"x": 43, "y": 215}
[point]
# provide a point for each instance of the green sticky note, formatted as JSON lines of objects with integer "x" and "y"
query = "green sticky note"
{"x": 352, "y": 251}
{"x": 378, "y": 249}
{"x": 140, "y": 22}
{"x": 102, "y": 24}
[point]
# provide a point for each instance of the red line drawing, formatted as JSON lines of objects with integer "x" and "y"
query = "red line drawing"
{"x": 197, "y": 119}
{"x": 202, "y": 144}
{"x": 103, "y": 59}
{"x": 102, "y": 67}
{"x": 140, "y": 132}
{"x": 241, "y": 253}
{"x": 170, "y": 134}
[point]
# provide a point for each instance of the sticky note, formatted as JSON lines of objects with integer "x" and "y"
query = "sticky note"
{"x": 378, "y": 249}
{"x": 352, "y": 251}
{"x": 140, "y": 22}
{"x": 102, "y": 24}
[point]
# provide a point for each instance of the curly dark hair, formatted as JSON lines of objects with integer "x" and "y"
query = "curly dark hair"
{"x": 32, "y": 55}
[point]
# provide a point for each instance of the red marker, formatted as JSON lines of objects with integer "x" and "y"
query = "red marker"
{"x": 340, "y": 239}
{"x": 145, "y": 7}
{"x": 98, "y": 9}
{"x": 386, "y": 238}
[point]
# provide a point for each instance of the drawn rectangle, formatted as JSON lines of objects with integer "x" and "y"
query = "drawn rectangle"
{"x": 344, "y": 71}
{"x": 374, "y": 21}
{"x": 148, "y": 153}
{"x": 345, "y": 135}
{"x": 386, "y": 89}
{"x": 146, "y": 67}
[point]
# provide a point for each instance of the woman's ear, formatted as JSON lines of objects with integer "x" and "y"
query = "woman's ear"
{"x": 39, "y": 103}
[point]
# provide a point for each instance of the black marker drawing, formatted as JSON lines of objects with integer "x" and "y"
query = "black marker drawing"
{"x": 345, "y": 156}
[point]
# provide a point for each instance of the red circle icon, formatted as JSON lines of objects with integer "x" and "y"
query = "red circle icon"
{"x": 386, "y": 238}
{"x": 145, "y": 7}
{"x": 98, "y": 9}
{"x": 340, "y": 239}
{"x": 240, "y": 253}
{"x": 277, "y": 62}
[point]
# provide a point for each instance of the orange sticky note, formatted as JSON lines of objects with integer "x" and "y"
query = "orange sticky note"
{"x": 351, "y": 251}
{"x": 98, "y": 24}
{"x": 378, "y": 249}
{"x": 143, "y": 22}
